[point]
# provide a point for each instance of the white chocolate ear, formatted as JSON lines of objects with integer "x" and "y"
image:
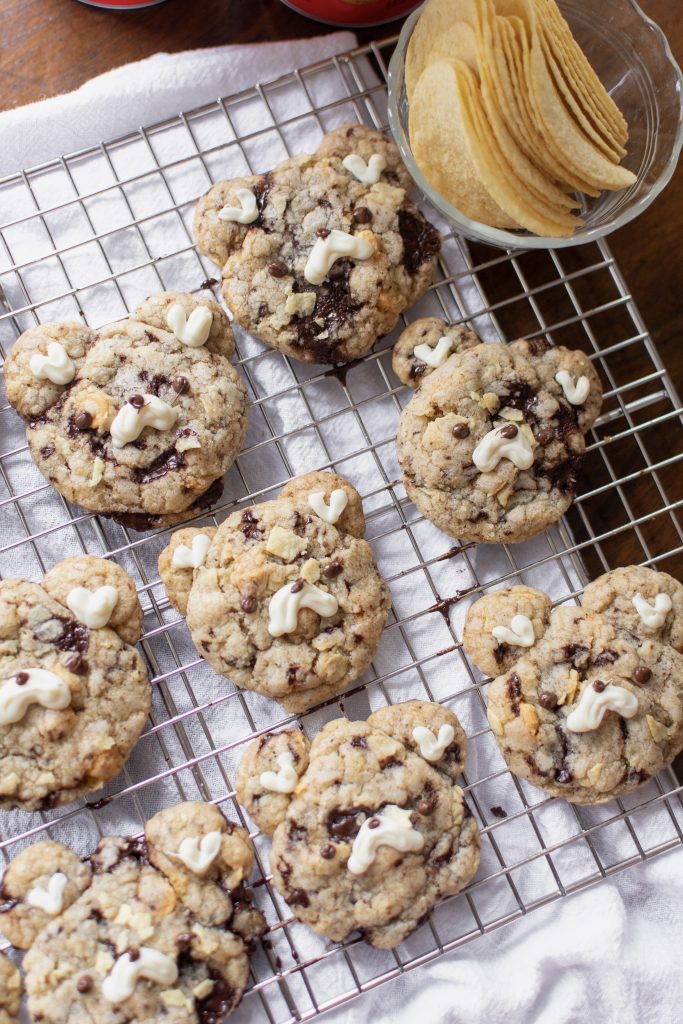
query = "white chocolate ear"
{"x": 31, "y": 686}
{"x": 193, "y": 332}
{"x": 653, "y": 614}
{"x": 520, "y": 633}
{"x": 575, "y": 391}
{"x": 596, "y": 701}
{"x": 284, "y": 780}
{"x": 198, "y": 853}
{"x": 94, "y": 608}
{"x": 331, "y": 512}
{"x": 245, "y": 213}
{"x": 51, "y": 898}
{"x": 436, "y": 356}
{"x": 432, "y": 747}
{"x": 497, "y": 445}
{"x": 132, "y": 418}
{"x": 368, "y": 173}
{"x": 286, "y": 603}
{"x": 192, "y": 557}
{"x": 56, "y": 366}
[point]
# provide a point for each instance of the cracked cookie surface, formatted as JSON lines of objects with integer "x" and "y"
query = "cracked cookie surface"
{"x": 355, "y": 772}
{"x": 283, "y": 551}
{"x": 10, "y": 991}
{"x": 186, "y": 406}
{"x": 73, "y": 697}
{"x": 264, "y": 261}
{"x": 456, "y": 436}
{"x": 593, "y": 706}
{"x": 143, "y": 907}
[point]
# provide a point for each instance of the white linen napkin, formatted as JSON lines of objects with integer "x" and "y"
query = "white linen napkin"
{"x": 609, "y": 954}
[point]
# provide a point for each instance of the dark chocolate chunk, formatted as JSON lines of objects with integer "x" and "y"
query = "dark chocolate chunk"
{"x": 249, "y": 604}
{"x": 421, "y": 241}
{"x": 82, "y": 420}
{"x": 509, "y": 430}
{"x": 362, "y": 215}
{"x": 298, "y": 898}
{"x": 642, "y": 674}
{"x": 327, "y": 851}
{"x": 180, "y": 385}
{"x": 84, "y": 983}
{"x": 277, "y": 268}
{"x": 332, "y": 569}
{"x": 499, "y": 812}
{"x": 169, "y": 461}
{"x": 547, "y": 700}
{"x": 460, "y": 430}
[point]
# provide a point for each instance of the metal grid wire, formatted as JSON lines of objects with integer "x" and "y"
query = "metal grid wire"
{"x": 82, "y": 264}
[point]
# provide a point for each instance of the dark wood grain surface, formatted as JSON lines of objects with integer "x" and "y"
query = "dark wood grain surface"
{"x": 51, "y": 46}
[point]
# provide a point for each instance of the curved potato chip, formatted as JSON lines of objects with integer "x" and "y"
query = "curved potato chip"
{"x": 445, "y": 29}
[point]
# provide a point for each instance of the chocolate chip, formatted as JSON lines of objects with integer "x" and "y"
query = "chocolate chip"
{"x": 296, "y": 586}
{"x": 21, "y": 678}
{"x": 84, "y": 983}
{"x": 332, "y": 569}
{"x": 599, "y": 686}
{"x": 509, "y": 430}
{"x": 642, "y": 674}
{"x": 322, "y": 232}
{"x": 373, "y": 823}
{"x": 327, "y": 851}
{"x": 344, "y": 827}
{"x": 137, "y": 401}
{"x": 180, "y": 385}
{"x": 427, "y": 806}
{"x": 362, "y": 215}
{"x": 545, "y": 435}
{"x": 75, "y": 664}
{"x": 133, "y": 954}
{"x": 461, "y": 430}
{"x": 298, "y": 897}
{"x": 277, "y": 268}
{"x": 183, "y": 941}
{"x": 47, "y": 451}
{"x": 82, "y": 420}
{"x": 547, "y": 700}
{"x": 499, "y": 812}
{"x": 249, "y": 604}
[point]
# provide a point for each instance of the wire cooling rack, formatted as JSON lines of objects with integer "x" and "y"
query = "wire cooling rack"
{"x": 85, "y": 237}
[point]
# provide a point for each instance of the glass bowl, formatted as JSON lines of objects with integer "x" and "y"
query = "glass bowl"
{"x": 633, "y": 60}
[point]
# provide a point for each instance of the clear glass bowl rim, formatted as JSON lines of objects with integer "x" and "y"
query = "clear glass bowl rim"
{"x": 509, "y": 239}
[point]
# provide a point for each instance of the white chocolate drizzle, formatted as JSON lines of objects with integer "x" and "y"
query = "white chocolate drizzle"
{"x": 286, "y": 603}
{"x": 327, "y": 251}
{"x": 284, "y": 780}
{"x": 520, "y": 633}
{"x": 339, "y": 499}
{"x": 245, "y": 213}
{"x": 392, "y": 826}
{"x": 56, "y": 366}
{"x": 594, "y": 704}
{"x": 653, "y": 615}
{"x": 94, "y": 608}
{"x": 575, "y": 393}
{"x": 433, "y": 747}
{"x": 436, "y": 356}
{"x": 494, "y": 446}
{"x": 151, "y": 963}
{"x": 41, "y": 687}
{"x": 368, "y": 173}
{"x": 50, "y": 898}
{"x": 129, "y": 421}
{"x": 199, "y": 852}
{"x": 192, "y": 557}
{"x": 193, "y": 332}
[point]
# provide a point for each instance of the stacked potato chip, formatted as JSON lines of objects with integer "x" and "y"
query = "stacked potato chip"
{"x": 507, "y": 119}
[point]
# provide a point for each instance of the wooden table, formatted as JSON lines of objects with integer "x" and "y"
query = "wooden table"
{"x": 53, "y": 46}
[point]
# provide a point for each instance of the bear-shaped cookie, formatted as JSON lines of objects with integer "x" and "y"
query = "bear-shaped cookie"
{"x": 369, "y": 827}
{"x": 284, "y": 597}
{"x": 138, "y": 420}
{"x": 492, "y": 441}
{"x": 74, "y": 692}
{"x": 587, "y": 702}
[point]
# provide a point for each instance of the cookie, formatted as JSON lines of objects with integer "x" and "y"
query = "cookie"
{"x": 74, "y": 692}
{"x": 375, "y": 830}
{"x": 138, "y": 420}
{"x": 588, "y": 702}
{"x": 491, "y": 443}
{"x": 39, "y": 884}
{"x": 268, "y": 774}
{"x": 321, "y": 255}
{"x": 425, "y": 345}
{"x": 10, "y": 991}
{"x": 162, "y": 932}
{"x": 284, "y": 601}
{"x": 185, "y": 553}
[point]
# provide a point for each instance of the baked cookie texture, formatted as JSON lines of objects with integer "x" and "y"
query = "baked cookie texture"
{"x": 74, "y": 692}
{"x": 371, "y": 833}
{"x": 491, "y": 443}
{"x": 10, "y": 991}
{"x": 131, "y": 421}
{"x": 158, "y": 928}
{"x": 286, "y": 598}
{"x": 587, "y": 702}
{"x": 355, "y": 183}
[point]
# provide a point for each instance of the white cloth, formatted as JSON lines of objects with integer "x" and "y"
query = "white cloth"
{"x": 609, "y": 954}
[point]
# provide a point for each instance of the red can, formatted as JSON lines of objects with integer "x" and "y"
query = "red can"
{"x": 122, "y": 5}
{"x": 353, "y": 13}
